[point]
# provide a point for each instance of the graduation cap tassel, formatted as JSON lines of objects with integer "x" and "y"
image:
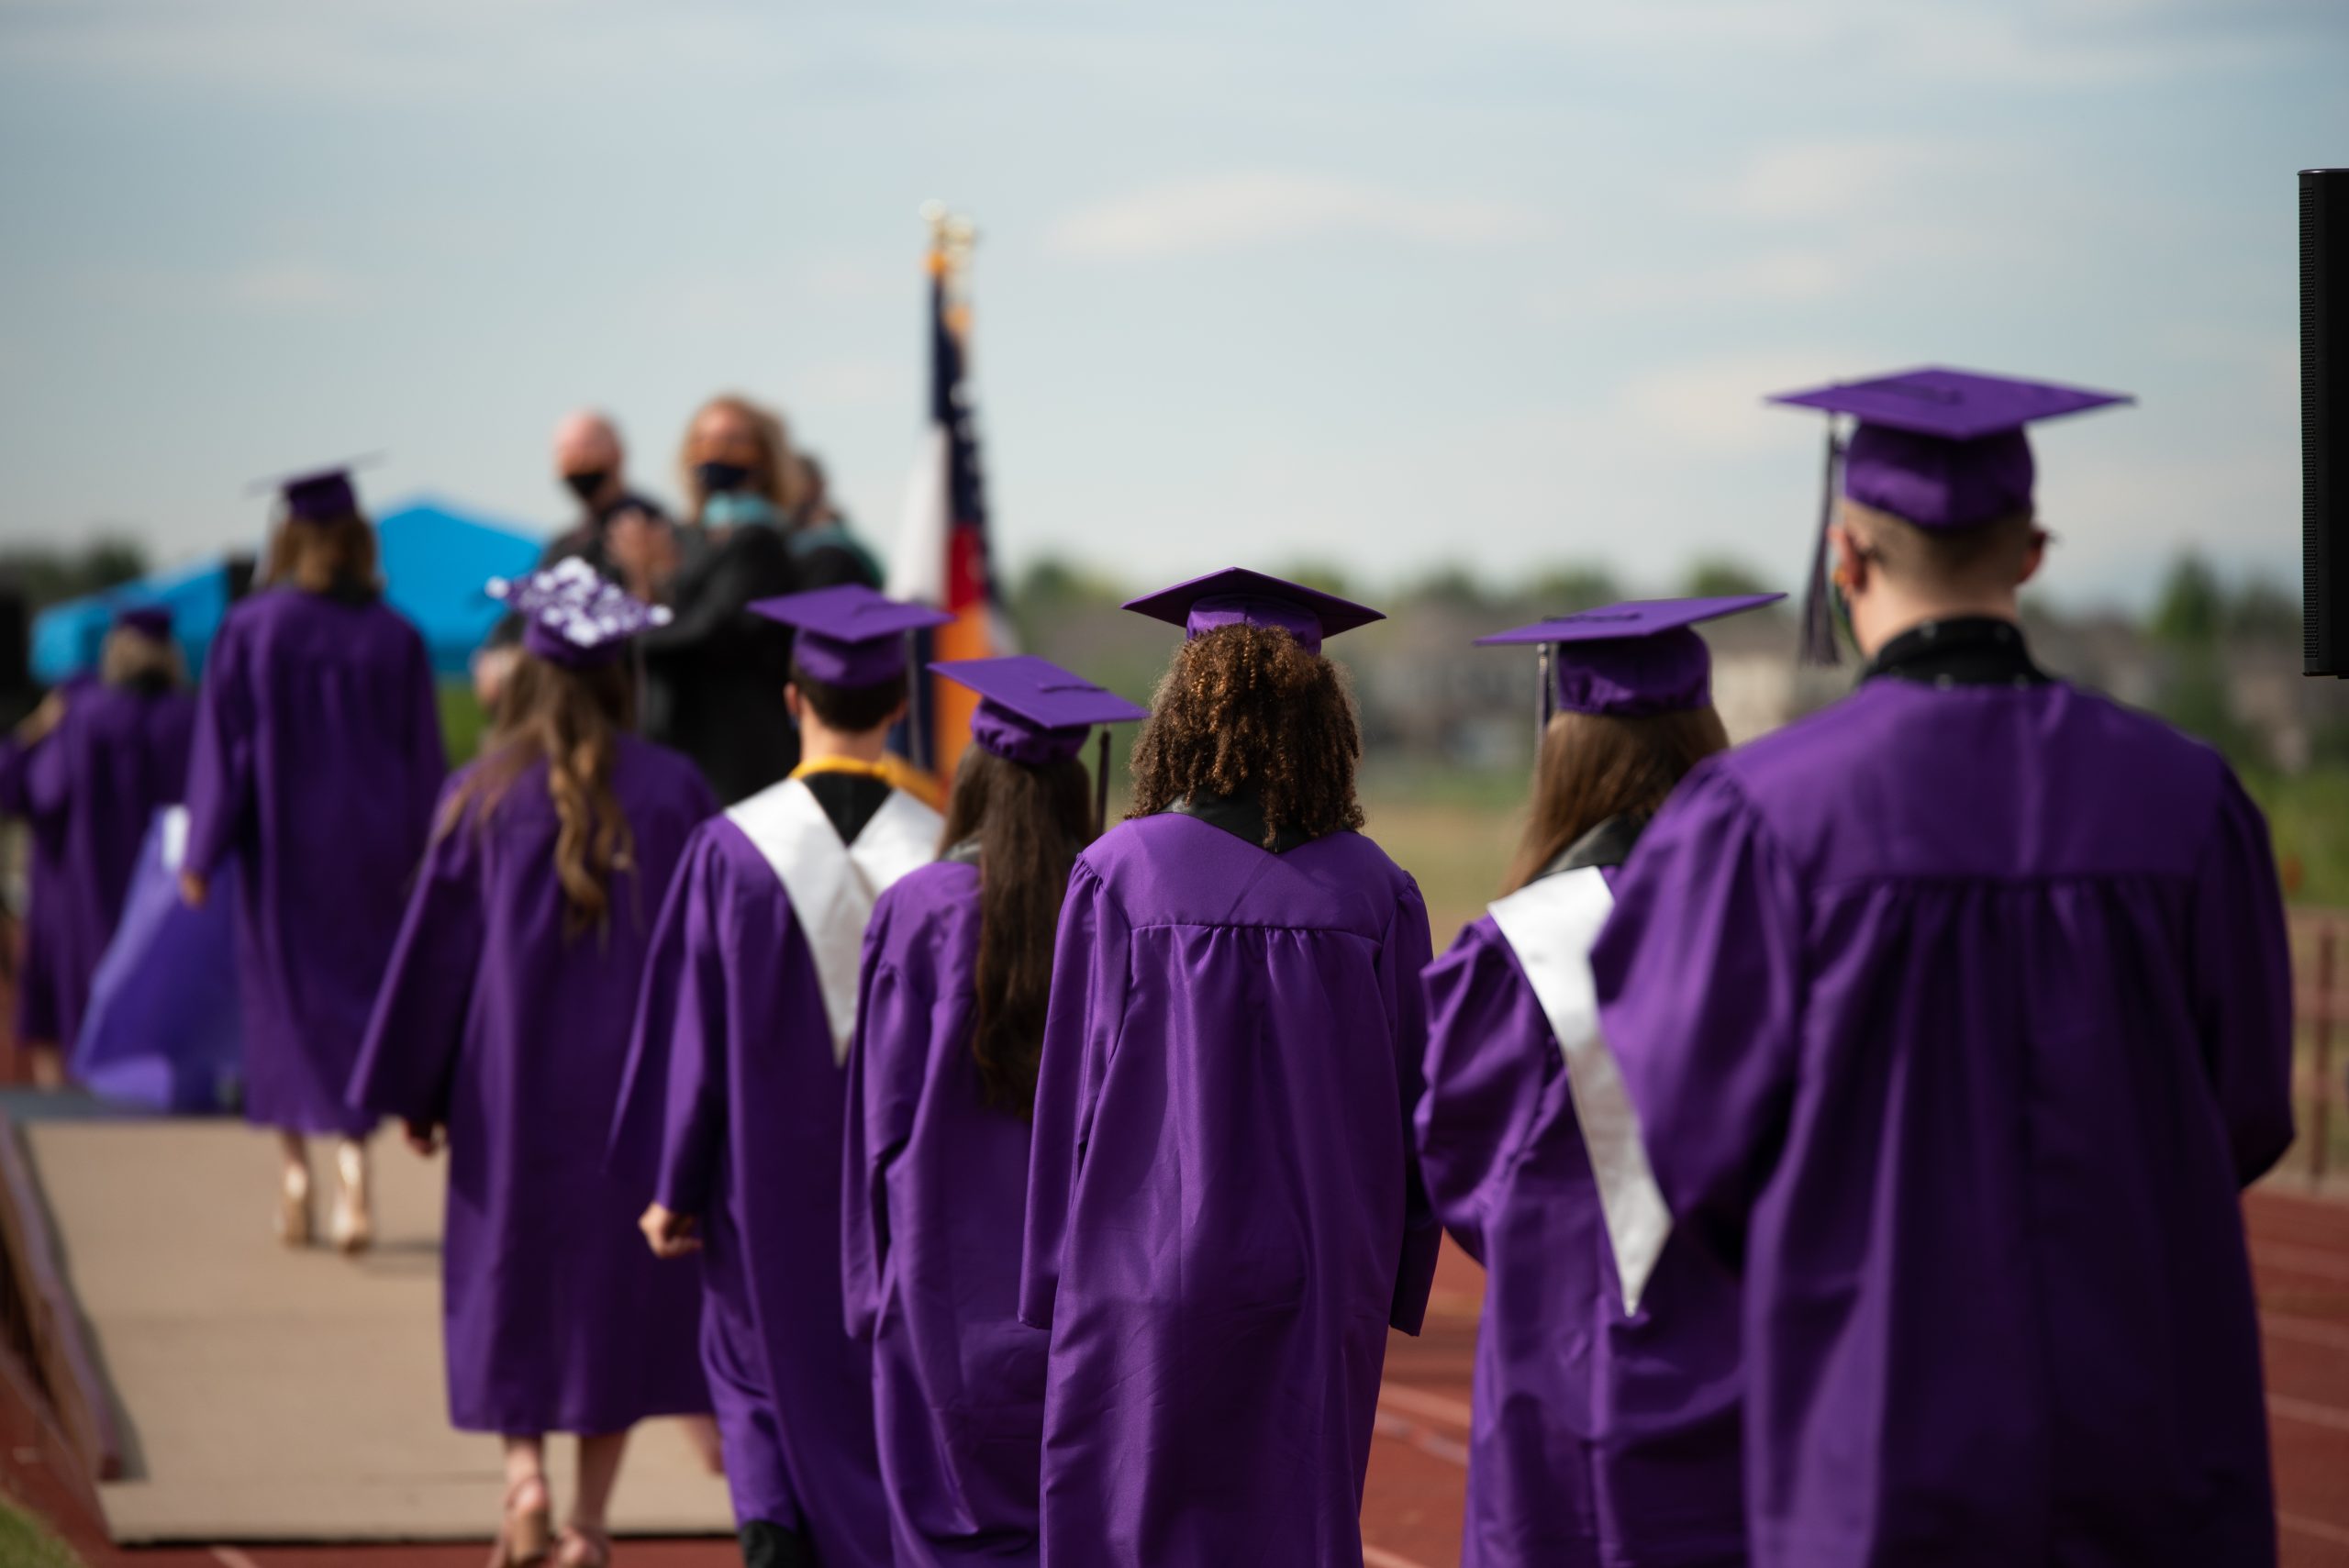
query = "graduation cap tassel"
{"x": 1544, "y": 695}
{"x": 1101, "y": 784}
{"x": 1818, "y": 646}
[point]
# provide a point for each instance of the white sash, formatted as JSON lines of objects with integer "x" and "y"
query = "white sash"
{"x": 833, "y": 885}
{"x": 1551, "y": 926}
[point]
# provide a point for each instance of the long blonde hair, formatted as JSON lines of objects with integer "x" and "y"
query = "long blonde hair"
{"x": 571, "y": 719}
{"x": 775, "y": 473}
{"x": 332, "y": 557}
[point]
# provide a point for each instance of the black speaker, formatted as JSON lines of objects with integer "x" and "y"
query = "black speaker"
{"x": 2324, "y": 421}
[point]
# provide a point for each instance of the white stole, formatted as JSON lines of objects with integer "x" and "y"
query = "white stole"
{"x": 1551, "y": 926}
{"x": 832, "y": 885}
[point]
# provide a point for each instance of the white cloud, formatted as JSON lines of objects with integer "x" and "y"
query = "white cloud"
{"x": 291, "y": 286}
{"x": 1715, "y": 407}
{"x": 1809, "y": 181}
{"x": 1249, "y": 208}
{"x": 278, "y": 286}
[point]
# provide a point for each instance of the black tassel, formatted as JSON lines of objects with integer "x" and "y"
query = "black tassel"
{"x": 1101, "y": 784}
{"x": 1819, "y": 644}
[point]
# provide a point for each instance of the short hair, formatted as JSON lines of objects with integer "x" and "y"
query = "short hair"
{"x": 852, "y": 711}
{"x": 1987, "y": 556}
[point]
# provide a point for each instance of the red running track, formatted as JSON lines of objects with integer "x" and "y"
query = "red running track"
{"x": 1418, "y": 1467}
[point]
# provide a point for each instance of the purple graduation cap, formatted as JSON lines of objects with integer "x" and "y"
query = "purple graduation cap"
{"x": 1033, "y": 712}
{"x": 1942, "y": 448}
{"x": 572, "y": 617}
{"x": 848, "y": 636}
{"x": 1628, "y": 661}
{"x": 153, "y": 622}
{"x": 1237, "y": 597}
{"x": 320, "y": 495}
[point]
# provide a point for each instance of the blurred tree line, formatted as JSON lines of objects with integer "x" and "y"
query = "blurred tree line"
{"x": 46, "y": 574}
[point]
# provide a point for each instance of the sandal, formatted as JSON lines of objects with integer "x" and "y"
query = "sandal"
{"x": 294, "y": 1208}
{"x": 524, "y": 1540}
{"x": 584, "y": 1546}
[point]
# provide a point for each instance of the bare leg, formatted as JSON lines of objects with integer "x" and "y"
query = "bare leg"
{"x": 599, "y": 1469}
{"x": 702, "y": 1432}
{"x": 355, "y": 1212}
{"x": 529, "y": 1504}
{"x": 294, "y": 1190}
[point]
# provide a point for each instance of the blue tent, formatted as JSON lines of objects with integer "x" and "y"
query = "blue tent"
{"x": 436, "y": 559}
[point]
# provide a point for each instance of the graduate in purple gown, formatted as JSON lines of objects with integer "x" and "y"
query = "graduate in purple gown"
{"x": 28, "y": 793}
{"x": 1605, "y": 1405}
{"x": 504, "y": 1021}
{"x": 1954, "y": 1017}
{"x": 317, "y": 762}
{"x": 112, "y": 752}
{"x": 737, "y": 1088}
{"x": 942, "y": 1082}
{"x": 1224, "y": 1210}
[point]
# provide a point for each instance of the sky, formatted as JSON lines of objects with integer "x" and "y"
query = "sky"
{"x": 1488, "y": 286}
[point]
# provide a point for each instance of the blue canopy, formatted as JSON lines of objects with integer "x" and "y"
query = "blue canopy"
{"x": 436, "y": 558}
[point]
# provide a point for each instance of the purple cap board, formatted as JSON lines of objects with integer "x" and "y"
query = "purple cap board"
{"x": 1031, "y": 710}
{"x": 1634, "y": 660}
{"x": 849, "y": 635}
{"x": 319, "y": 496}
{"x": 150, "y": 621}
{"x": 1237, "y": 597}
{"x": 1941, "y": 449}
{"x": 572, "y": 617}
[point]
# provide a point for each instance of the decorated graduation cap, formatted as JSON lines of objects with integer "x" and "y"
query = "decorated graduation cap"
{"x": 1628, "y": 661}
{"x": 153, "y": 622}
{"x": 1237, "y": 597}
{"x": 849, "y": 635}
{"x": 572, "y": 617}
{"x": 1941, "y": 449}
{"x": 1033, "y": 712}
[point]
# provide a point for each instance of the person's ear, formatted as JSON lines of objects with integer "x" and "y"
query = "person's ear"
{"x": 2033, "y": 558}
{"x": 1849, "y": 572}
{"x": 898, "y": 713}
{"x": 793, "y": 703}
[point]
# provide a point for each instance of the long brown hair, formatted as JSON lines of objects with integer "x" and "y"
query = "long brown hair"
{"x": 1030, "y": 823}
{"x": 775, "y": 473}
{"x": 1247, "y": 709}
{"x": 131, "y": 658}
{"x": 333, "y": 557}
{"x": 572, "y": 719}
{"x": 1594, "y": 766}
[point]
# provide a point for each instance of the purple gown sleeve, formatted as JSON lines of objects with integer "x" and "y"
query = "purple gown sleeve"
{"x": 1490, "y": 1059}
{"x": 1699, "y": 975}
{"x": 2242, "y": 984}
{"x": 12, "y": 759}
{"x": 428, "y": 753}
{"x": 886, "y": 1064}
{"x": 633, "y": 1153}
{"x": 689, "y": 952}
{"x": 220, "y": 756}
{"x": 409, "y": 1055}
{"x": 1081, "y": 1023}
{"x": 1403, "y": 957}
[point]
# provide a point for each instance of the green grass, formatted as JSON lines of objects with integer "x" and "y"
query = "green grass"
{"x": 2308, "y": 815}
{"x": 462, "y": 721}
{"x": 25, "y": 1544}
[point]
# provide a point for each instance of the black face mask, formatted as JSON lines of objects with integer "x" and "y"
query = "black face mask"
{"x": 589, "y": 484}
{"x": 717, "y": 478}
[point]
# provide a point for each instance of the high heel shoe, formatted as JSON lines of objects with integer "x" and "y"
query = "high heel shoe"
{"x": 526, "y": 1533}
{"x": 293, "y": 1206}
{"x": 354, "y": 1220}
{"x": 584, "y": 1546}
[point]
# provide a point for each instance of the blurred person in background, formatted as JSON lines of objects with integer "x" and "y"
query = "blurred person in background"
{"x": 1606, "y": 1423}
{"x": 712, "y": 674}
{"x": 624, "y": 536}
{"x": 1224, "y": 1208}
{"x": 317, "y": 762}
{"x": 949, "y": 1020}
{"x": 1956, "y": 1016}
{"x": 504, "y": 1021}
{"x": 825, "y": 551}
{"x": 91, "y": 767}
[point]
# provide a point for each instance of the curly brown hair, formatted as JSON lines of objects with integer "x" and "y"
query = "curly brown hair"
{"x": 1245, "y": 709}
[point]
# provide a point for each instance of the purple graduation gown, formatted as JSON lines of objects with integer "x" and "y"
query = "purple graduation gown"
{"x": 497, "y": 1025}
{"x": 736, "y": 1100}
{"x": 936, "y": 1186}
{"x": 1600, "y": 1437}
{"x": 1959, "y": 1016}
{"x": 117, "y": 756}
{"x": 317, "y": 762}
{"x": 40, "y": 981}
{"x": 1224, "y": 1210}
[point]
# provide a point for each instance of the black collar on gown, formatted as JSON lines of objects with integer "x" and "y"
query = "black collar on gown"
{"x": 1966, "y": 651}
{"x": 849, "y": 799}
{"x": 1241, "y": 816}
{"x": 1608, "y": 844}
